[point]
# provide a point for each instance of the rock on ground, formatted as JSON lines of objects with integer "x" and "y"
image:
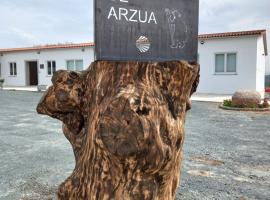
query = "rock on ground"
{"x": 246, "y": 98}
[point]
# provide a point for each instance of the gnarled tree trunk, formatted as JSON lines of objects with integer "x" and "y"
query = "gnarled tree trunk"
{"x": 125, "y": 122}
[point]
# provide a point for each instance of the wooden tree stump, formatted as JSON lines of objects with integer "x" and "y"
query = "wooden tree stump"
{"x": 125, "y": 122}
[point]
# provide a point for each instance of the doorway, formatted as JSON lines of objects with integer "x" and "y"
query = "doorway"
{"x": 33, "y": 72}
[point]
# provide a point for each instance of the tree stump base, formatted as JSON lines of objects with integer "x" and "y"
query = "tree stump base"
{"x": 125, "y": 122}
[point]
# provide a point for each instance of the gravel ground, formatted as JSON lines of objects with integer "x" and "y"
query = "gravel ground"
{"x": 227, "y": 154}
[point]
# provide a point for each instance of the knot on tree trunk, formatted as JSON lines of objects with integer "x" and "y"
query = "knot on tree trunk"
{"x": 125, "y": 122}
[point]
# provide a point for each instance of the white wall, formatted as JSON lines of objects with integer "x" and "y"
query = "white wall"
{"x": 267, "y": 68}
{"x": 1, "y": 71}
{"x": 261, "y": 61}
{"x": 249, "y": 55}
{"x": 246, "y": 49}
{"x": 59, "y": 55}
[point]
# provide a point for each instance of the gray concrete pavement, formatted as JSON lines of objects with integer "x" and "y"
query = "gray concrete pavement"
{"x": 218, "y": 98}
{"x": 226, "y": 153}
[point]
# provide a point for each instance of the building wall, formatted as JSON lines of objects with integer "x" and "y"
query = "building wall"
{"x": 58, "y": 55}
{"x": 267, "y": 68}
{"x": 261, "y": 64}
{"x": 245, "y": 78}
{"x": 250, "y": 64}
{"x": 1, "y": 71}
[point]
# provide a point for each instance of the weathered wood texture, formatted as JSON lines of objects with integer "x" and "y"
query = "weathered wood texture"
{"x": 125, "y": 122}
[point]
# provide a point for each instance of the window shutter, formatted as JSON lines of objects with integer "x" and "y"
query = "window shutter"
{"x": 10, "y": 69}
{"x": 79, "y": 65}
{"x": 70, "y": 65}
{"x": 15, "y": 69}
{"x": 231, "y": 62}
{"x": 219, "y": 63}
{"x": 49, "y": 67}
{"x": 53, "y": 66}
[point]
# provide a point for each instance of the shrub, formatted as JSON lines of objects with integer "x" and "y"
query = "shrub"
{"x": 227, "y": 103}
{"x": 246, "y": 99}
{"x": 2, "y": 80}
{"x": 265, "y": 103}
{"x": 252, "y": 105}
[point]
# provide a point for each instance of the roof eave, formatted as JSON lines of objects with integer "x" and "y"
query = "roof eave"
{"x": 41, "y": 48}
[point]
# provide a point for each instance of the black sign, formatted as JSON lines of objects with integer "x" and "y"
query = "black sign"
{"x": 146, "y": 30}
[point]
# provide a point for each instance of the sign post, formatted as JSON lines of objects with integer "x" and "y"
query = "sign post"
{"x": 125, "y": 120}
{"x": 146, "y": 30}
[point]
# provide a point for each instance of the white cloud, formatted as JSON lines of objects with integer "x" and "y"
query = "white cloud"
{"x": 68, "y": 20}
{"x": 23, "y": 35}
{"x": 231, "y": 15}
{"x": 28, "y": 22}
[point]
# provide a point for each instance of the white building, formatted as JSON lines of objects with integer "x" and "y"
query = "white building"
{"x": 267, "y": 72}
{"x": 229, "y": 61}
{"x": 35, "y": 65}
{"x": 232, "y": 61}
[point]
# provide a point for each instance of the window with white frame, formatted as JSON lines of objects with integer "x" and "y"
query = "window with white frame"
{"x": 75, "y": 65}
{"x": 13, "y": 69}
{"x": 51, "y": 67}
{"x": 225, "y": 63}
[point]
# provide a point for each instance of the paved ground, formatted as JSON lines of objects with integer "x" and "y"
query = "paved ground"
{"x": 196, "y": 97}
{"x": 227, "y": 154}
